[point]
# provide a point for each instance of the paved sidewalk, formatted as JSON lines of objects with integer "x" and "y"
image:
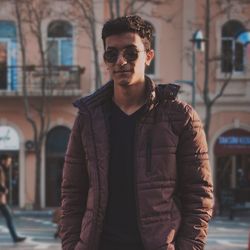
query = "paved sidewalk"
{"x": 39, "y": 231}
{"x": 225, "y": 234}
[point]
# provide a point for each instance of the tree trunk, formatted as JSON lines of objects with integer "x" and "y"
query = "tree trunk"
{"x": 206, "y": 73}
{"x": 37, "y": 204}
{"x": 207, "y": 120}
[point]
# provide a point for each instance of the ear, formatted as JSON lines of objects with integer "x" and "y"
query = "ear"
{"x": 149, "y": 56}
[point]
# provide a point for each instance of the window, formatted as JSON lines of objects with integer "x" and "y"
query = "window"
{"x": 232, "y": 52}
{"x": 150, "y": 70}
{"x": 8, "y": 56}
{"x": 60, "y": 43}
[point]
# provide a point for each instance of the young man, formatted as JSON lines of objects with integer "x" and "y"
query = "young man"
{"x": 5, "y": 164}
{"x": 136, "y": 174}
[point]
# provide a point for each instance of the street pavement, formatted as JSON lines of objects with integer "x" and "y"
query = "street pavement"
{"x": 224, "y": 234}
{"x": 38, "y": 229}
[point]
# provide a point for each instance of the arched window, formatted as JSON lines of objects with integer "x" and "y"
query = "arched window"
{"x": 8, "y": 56}
{"x": 60, "y": 43}
{"x": 150, "y": 70}
{"x": 232, "y": 53}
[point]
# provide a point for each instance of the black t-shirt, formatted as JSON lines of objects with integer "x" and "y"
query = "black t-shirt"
{"x": 120, "y": 230}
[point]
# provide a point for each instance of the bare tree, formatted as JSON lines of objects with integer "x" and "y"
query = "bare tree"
{"x": 213, "y": 9}
{"x": 31, "y": 13}
{"x": 83, "y": 13}
{"x": 225, "y": 7}
{"x": 211, "y": 61}
{"x": 87, "y": 20}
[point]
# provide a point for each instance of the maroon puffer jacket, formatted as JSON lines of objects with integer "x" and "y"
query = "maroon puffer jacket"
{"x": 172, "y": 173}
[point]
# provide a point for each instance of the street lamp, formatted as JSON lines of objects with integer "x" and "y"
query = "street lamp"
{"x": 244, "y": 38}
{"x": 198, "y": 43}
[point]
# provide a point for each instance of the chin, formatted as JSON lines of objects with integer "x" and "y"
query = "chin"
{"x": 124, "y": 82}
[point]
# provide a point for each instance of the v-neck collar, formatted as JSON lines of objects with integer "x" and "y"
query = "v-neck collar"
{"x": 135, "y": 113}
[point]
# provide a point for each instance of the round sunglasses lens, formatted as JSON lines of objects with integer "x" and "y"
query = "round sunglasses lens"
{"x": 111, "y": 56}
{"x": 131, "y": 54}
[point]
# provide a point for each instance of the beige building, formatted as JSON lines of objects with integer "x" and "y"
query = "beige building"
{"x": 68, "y": 72}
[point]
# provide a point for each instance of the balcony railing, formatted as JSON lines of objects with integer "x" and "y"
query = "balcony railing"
{"x": 54, "y": 80}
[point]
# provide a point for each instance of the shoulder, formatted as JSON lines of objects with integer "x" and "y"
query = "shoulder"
{"x": 87, "y": 105}
{"x": 179, "y": 113}
{"x": 96, "y": 98}
{"x": 168, "y": 94}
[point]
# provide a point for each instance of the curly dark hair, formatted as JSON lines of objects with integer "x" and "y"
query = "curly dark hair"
{"x": 125, "y": 24}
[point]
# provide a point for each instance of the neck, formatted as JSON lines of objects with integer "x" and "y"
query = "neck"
{"x": 130, "y": 98}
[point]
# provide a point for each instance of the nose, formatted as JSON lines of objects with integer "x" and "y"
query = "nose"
{"x": 121, "y": 60}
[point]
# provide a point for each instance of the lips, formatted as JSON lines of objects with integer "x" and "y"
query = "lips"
{"x": 122, "y": 71}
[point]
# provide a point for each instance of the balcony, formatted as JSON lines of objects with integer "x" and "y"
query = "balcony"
{"x": 54, "y": 80}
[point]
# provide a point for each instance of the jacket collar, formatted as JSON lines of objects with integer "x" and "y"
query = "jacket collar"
{"x": 154, "y": 95}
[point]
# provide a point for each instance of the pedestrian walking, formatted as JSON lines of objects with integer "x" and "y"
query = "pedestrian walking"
{"x": 5, "y": 164}
{"x": 136, "y": 173}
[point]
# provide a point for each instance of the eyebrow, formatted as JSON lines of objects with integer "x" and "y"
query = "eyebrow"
{"x": 128, "y": 46}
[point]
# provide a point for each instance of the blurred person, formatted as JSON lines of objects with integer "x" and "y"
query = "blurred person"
{"x": 5, "y": 164}
{"x": 56, "y": 220}
{"x": 136, "y": 173}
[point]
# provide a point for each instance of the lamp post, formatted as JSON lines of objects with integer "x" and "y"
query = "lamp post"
{"x": 198, "y": 43}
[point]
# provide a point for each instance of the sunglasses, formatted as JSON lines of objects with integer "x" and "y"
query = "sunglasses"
{"x": 130, "y": 54}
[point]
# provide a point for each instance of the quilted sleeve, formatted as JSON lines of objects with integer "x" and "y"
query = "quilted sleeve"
{"x": 74, "y": 188}
{"x": 195, "y": 184}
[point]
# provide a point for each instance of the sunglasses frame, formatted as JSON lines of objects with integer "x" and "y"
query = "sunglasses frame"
{"x": 132, "y": 48}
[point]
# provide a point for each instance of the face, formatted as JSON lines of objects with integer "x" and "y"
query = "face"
{"x": 7, "y": 162}
{"x": 127, "y": 69}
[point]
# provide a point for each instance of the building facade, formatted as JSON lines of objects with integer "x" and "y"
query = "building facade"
{"x": 65, "y": 69}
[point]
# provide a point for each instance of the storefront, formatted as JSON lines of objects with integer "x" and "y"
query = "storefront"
{"x": 232, "y": 169}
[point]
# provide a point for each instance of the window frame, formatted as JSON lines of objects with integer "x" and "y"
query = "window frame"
{"x": 59, "y": 41}
{"x": 234, "y": 71}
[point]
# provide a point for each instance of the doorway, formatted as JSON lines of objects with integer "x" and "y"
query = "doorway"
{"x": 56, "y": 145}
{"x": 232, "y": 169}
